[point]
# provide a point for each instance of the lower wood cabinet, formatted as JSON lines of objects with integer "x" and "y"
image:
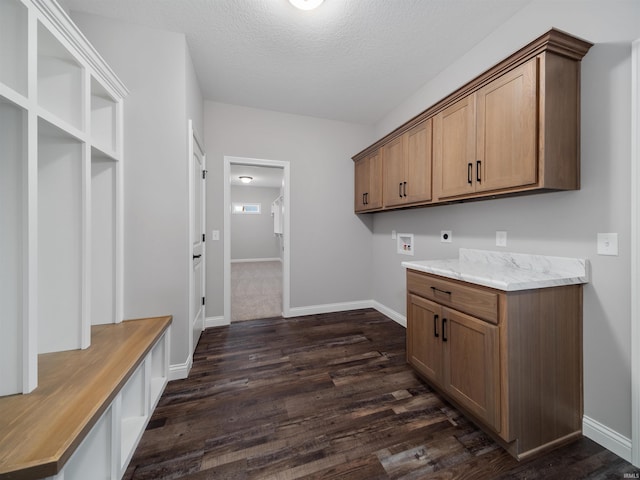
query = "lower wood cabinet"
{"x": 460, "y": 354}
{"x": 518, "y": 374}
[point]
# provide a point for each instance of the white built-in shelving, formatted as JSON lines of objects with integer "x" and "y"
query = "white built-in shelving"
{"x": 61, "y": 260}
{"x": 13, "y": 163}
{"x": 61, "y": 179}
{"x": 13, "y": 46}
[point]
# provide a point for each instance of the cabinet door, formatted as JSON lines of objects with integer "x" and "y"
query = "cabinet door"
{"x": 454, "y": 154}
{"x": 394, "y": 172}
{"x": 418, "y": 163}
{"x": 507, "y": 130}
{"x": 424, "y": 349}
{"x": 368, "y": 183}
{"x": 471, "y": 365}
{"x": 362, "y": 184}
{"x": 374, "y": 194}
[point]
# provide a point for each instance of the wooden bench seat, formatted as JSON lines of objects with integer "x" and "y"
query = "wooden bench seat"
{"x": 40, "y": 431}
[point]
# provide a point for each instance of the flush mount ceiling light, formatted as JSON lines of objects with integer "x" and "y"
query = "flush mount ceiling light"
{"x": 245, "y": 179}
{"x": 306, "y": 4}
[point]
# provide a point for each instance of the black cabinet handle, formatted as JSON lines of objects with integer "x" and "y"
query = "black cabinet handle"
{"x": 435, "y": 326}
{"x": 405, "y": 189}
{"x": 478, "y": 166}
{"x": 196, "y": 256}
{"x": 469, "y": 173}
{"x": 400, "y": 189}
{"x": 444, "y": 331}
{"x": 365, "y": 198}
{"x": 435, "y": 290}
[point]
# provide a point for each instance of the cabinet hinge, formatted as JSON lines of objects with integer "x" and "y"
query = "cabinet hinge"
{"x": 203, "y": 300}
{"x": 204, "y": 174}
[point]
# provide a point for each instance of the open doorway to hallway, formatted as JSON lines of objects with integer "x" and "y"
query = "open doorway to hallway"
{"x": 256, "y": 241}
{"x": 256, "y": 257}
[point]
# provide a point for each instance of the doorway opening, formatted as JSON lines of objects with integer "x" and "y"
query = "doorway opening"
{"x": 256, "y": 239}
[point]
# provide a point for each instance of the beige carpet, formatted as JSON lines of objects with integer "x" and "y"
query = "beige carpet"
{"x": 256, "y": 290}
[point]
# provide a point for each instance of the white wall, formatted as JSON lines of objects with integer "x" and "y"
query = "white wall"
{"x": 330, "y": 246}
{"x": 155, "y": 67}
{"x": 562, "y": 224}
{"x": 252, "y": 235}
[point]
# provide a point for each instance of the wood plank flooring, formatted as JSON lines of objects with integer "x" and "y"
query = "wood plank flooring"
{"x": 327, "y": 396}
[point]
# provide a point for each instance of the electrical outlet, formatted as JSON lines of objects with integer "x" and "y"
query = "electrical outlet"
{"x": 445, "y": 236}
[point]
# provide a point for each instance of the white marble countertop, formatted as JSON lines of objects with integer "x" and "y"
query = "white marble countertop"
{"x": 507, "y": 271}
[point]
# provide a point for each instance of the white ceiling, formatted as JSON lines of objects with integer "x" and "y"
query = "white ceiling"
{"x": 350, "y": 60}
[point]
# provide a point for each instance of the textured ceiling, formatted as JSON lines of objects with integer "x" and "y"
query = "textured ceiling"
{"x": 350, "y": 60}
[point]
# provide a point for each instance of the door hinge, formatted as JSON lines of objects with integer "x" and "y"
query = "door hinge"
{"x": 203, "y": 238}
{"x": 204, "y": 174}
{"x": 203, "y": 300}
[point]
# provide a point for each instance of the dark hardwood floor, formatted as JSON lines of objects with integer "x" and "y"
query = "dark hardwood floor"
{"x": 327, "y": 396}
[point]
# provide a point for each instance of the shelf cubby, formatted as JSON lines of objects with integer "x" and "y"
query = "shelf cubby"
{"x": 93, "y": 457}
{"x": 13, "y": 138}
{"x": 13, "y": 45}
{"x": 60, "y": 240}
{"x": 159, "y": 370}
{"x": 60, "y": 80}
{"x": 103, "y": 239}
{"x": 104, "y": 110}
{"x": 134, "y": 413}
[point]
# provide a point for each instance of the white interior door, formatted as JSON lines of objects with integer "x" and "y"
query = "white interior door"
{"x": 197, "y": 235}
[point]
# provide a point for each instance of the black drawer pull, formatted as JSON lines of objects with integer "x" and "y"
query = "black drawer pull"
{"x": 444, "y": 331}
{"x": 435, "y": 326}
{"x": 436, "y": 290}
{"x": 469, "y": 173}
{"x": 478, "y": 166}
{"x": 400, "y": 189}
{"x": 405, "y": 188}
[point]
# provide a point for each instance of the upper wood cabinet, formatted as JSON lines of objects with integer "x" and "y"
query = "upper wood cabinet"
{"x": 488, "y": 140}
{"x": 407, "y": 167}
{"x": 514, "y": 129}
{"x": 454, "y": 132}
{"x": 368, "y": 183}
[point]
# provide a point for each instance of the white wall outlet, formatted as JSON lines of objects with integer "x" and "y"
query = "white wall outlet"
{"x": 608, "y": 244}
{"x": 405, "y": 243}
{"x": 445, "y": 236}
{"x": 215, "y": 234}
{"x": 501, "y": 238}
{"x": 393, "y": 234}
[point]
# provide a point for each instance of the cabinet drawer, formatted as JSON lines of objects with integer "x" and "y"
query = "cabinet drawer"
{"x": 475, "y": 301}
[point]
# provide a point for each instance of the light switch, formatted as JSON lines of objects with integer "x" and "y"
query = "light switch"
{"x": 608, "y": 244}
{"x": 215, "y": 234}
{"x": 501, "y": 238}
{"x": 393, "y": 234}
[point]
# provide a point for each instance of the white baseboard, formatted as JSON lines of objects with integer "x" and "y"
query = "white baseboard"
{"x": 329, "y": 308}
{"x": 247, "y": 260}
{"x": 609, "y": 439}
{"x": 392, "y": 314}
{"x": 346, "y": 306}
{"x": 181, "y": 370}
{"x": 218, "y": 321}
